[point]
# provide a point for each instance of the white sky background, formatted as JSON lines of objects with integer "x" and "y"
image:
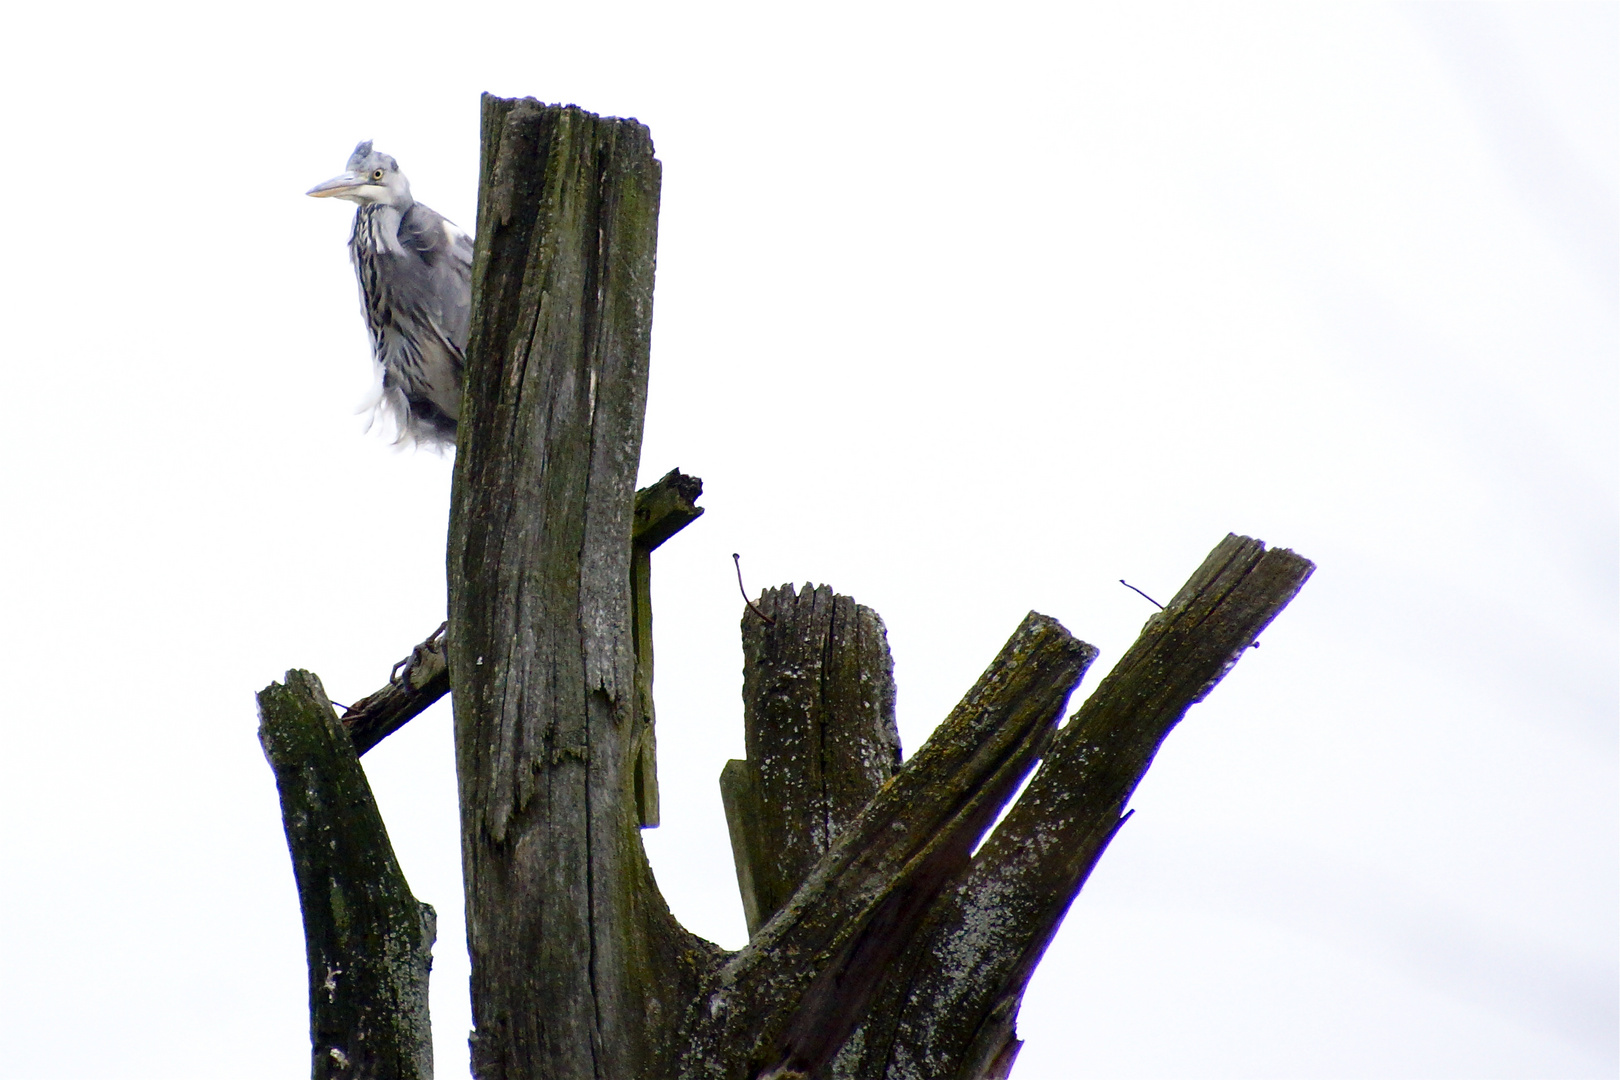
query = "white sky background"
{"x": 961, "y": 310}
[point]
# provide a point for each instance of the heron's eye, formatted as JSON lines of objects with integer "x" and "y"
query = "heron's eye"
{"x": 377, "y": 175}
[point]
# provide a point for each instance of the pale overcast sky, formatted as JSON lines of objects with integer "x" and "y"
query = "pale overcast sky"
{"x": 962, "y": 310}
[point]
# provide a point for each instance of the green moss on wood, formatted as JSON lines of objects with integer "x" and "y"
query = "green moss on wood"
{"x": 368, "y": 941}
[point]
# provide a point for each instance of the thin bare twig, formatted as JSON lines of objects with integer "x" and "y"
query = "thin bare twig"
{"x": 1142, "y": 594}
{"x": 737, "y": 560}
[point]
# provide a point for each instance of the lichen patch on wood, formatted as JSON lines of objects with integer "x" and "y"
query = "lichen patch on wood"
{"x": 818, "y": 721}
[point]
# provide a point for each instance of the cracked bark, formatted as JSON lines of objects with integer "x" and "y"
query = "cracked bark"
{"x": 573, "y": 951}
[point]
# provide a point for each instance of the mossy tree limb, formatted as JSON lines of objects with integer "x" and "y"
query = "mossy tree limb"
{"x": 785, "y": 1004}
{"x": 948, "y": 1010}
{"x": 367, "y": 940}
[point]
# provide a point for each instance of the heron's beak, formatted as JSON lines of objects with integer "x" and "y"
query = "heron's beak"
{"x": 347, "y": 184}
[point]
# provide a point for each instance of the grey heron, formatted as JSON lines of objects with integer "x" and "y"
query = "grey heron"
{"x": 415, "y": 273}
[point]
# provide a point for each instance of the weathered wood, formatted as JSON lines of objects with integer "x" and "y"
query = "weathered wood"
{"x": 883, "y": 922}
{"x": 574, "y": 956}
{"x": 818, "y": 721}
{"x": 662, "y": 510}
{"x": 785, "y": 1003}
{"x": 367, "y": 940}
{"x": 422, "y": 678}
{"x": 948, "y": 1009}
{"x": 416, "y": 683}
{"x": 739, "y": 797}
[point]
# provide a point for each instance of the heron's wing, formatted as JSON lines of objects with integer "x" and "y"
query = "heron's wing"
{"x": 446, "y": 254}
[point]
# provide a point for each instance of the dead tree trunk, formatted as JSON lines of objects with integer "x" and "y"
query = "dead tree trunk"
{"x": 885, "y": 941}
{"x": 574, "y": 955}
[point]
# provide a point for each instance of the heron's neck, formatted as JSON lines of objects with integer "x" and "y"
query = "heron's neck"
{"x": 376, "y": 228}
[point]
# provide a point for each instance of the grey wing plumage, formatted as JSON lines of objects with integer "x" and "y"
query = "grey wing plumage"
{"x": 421, "y": 291}
{"x": 447, "y": 253}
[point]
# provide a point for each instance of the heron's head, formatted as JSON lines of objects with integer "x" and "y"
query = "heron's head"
{"x": 370, "y": 178}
